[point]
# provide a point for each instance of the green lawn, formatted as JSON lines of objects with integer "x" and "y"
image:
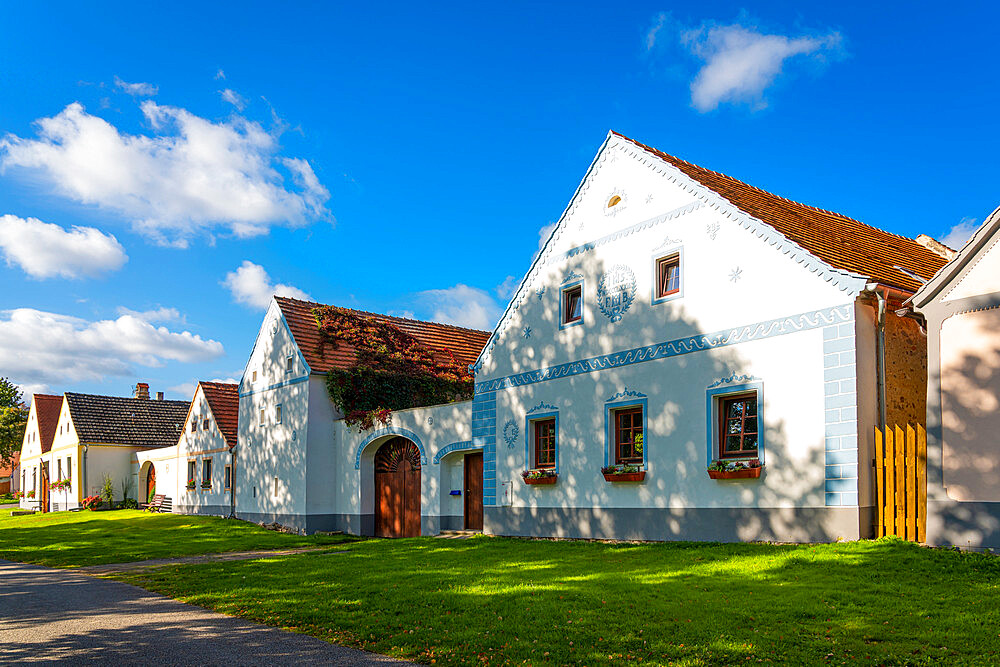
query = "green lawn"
{"x": 495, "y": 600}
{"x": 71, "y": 539}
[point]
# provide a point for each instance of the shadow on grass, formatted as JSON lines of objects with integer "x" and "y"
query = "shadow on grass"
{"x": 500, "y": 600}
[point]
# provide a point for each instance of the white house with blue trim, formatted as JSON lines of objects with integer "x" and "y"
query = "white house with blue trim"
{"x": 679, "y": 320}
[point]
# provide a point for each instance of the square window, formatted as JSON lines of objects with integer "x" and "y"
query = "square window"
{"x": 545, "y": 442}
{"x": 277, "y": 414}
{"x": 289, "y": 363}
{"x": 738, "y": 432}
{"x": 668, "y": 276}
{"x": 207, "y": 424}
{"x": 572, "y": 304}
{"x": 628, "y": 433}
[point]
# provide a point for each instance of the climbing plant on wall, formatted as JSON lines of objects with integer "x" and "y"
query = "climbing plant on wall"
{"x": 392, "y": 369}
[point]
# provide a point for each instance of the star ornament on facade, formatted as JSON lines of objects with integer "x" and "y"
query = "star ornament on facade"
{"x": 735, "y": 274}
{"x": 526, "y": 332}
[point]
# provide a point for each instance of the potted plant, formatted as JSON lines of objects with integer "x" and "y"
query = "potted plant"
{"x": 206, "y": 485}
{"x": 92, "y": 502}
{"x": 29, "y": 494}
{"x": 540, "y": 476}
{"x": 623, "y": 473}
{"x": 190, "y": 484}
{"x": 747, "y": 469}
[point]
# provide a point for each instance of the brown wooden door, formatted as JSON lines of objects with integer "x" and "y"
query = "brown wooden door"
{"x": 397, "y": 489}
{"x": 44, "y": 490}
{"x": 150, "y": 483}
{"x": 474, "y": 491}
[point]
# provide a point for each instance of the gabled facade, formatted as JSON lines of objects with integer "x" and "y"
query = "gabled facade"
{"x": 961, "y": 308}
{"x": 298, "y": 464}
{"x": 197, "y": 473}
{"x": 669, "y": 300}
{"x": 35, "y": 458}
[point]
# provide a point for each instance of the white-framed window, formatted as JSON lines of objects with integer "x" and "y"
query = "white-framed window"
{"x": 571, "y": 305}
{"x": 289, "y": 363}
{"x": 59, "y": 472}
{"x": 668, "y": 275}
{"x": 207, "y": 424}
{"x": 277, "y": 413}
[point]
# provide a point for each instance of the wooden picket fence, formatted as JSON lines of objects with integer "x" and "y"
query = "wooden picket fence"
{"x": 901, "y": 482}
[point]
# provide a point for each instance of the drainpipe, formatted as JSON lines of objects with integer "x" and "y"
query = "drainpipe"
{"x": 83, "y": 472}
{"x": 880, "y": 355}
{"x": 232, "y": 483}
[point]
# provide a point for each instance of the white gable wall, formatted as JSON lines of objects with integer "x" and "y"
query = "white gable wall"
{"x": 199, "y": 445}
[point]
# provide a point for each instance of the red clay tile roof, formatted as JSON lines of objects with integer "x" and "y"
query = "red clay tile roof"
{"x": 47, "y": 409}
{"x": 224, "y": 400}
{"x": 841, "y": 242}
{"x": 9, "y": 470}
{"x": 137, "y": 422}
{"x": 464, "y": 344}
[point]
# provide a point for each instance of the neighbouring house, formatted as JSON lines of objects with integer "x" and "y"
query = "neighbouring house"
{"x": 961, "y": 308}
{"x": 299, "y": 464}
{"x": 35, "y": 457}
{"x": 692, "y": 357}
{"x": 196, "y": 473}
{"x": 98, "y": 436}
{"x": 10, "y": 475}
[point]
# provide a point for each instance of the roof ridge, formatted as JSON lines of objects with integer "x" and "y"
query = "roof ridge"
{"x": 759, "y": 189}
{"x": 390, "y": 317}
{"x": 219, "y": 384}
{"x": 125, "y": 398}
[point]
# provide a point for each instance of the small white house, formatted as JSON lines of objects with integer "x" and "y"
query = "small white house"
{"x": 961, "y": 307}
{"x": 35, "y": 460}
{"x": 196, "y": 474}
{"x": 679, "y": 320}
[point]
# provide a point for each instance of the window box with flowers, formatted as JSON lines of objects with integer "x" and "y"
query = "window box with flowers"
{"x": 623, "y": 473}
{"x": 735, "y": 469}
{"x": 60, "y": 485}
{"x": 536, "y": 476}
{"x": 29, "y": 494}
{"x": 190, "y": 484}
{"x": 206, "y": 485}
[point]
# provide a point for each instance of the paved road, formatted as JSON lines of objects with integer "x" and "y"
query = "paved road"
{"x": 49, "y": 615}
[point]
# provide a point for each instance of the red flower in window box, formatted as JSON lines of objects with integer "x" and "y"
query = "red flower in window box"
{"x": 539, "y": 476}
{"x": 623, "y": 473}
{"x": 735, "y": 469}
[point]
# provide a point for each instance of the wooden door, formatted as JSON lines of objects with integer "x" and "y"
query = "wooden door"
{"x": 44, "y": 490}
{"x": 397, "y": 489}
{"x": 150, "y": 483}
{"x": 474, "y": 491}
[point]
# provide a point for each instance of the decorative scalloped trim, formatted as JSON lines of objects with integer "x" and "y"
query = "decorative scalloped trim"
{"x": 542, "y": 406}
{"x": 464, "y": 445}
{"x": 846, "y": 281}
{"x": 731, "y": 379}
{"x": 389, "y": 430}
{"x": 626, "y": 393}
{"x": 571, "y": 276}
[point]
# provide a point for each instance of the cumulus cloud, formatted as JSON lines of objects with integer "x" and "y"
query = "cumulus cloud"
{"x": 960, "y": 233}
{"x": 251, "y": 286}
{"x": 189, "y": 176}
{"x": 40, "y": 348}
{"x": 234, "y": 98}
{"x": 740, "y": 62}
{"x": 137, "y": 89}
{"x": 505, "y": 290}
{"x": 462, "y": 306}
{"x": 45, "y": 250}
{"x": 157, "y": 315}
{"x": 658, "y": 24}
{"x": 186, "y": 389}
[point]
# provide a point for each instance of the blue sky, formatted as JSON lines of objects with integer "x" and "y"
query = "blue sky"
{"x": 162, "y": 170}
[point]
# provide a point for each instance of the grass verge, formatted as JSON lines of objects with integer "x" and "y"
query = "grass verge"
{"x": 494, "y": 600}
{"x": 73, "y": 539}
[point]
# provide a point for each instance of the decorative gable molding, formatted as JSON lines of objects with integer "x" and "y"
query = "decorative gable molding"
{"x": 731, "y": 379}
{"x": 542, "y": 406}
{"x": 626, "y": 393}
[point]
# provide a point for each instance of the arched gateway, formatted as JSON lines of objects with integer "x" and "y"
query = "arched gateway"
{"x": 397, "y": 489}
{"x": 150, "y": 483}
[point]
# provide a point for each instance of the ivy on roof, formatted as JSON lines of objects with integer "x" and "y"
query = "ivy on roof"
{"x": 392, "y": 370}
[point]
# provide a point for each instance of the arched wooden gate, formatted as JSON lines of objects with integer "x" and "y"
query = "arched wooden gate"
{"x": 150, "y": 483}
{"x": 397, "y": 489}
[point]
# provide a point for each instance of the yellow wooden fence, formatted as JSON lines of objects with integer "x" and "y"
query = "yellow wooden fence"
{"x": 901, "y": 482}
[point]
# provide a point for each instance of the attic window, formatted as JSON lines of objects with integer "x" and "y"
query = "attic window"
{"x": 614, "y": 201}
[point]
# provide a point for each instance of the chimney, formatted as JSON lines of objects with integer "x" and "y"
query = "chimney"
{"x": 142, "y": 391}
{"x": 159, "y": 395}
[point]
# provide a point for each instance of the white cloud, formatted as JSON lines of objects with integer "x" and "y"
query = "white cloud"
{"x": 462, "y": 306}
{"x": 137, "y": 89}
{"x": 42, "y": 348}
{"x": 45, "y": 250}
{"x": 220, "y": 74}
{"x": 189, "y": 176}
{"x": 158, "y": 315}
{"x": 960, "y": 233}
{"x": 250, "y": 285}
{"x": 657, "y": 26}
{"x": 186, "y": 389}
{"x": 740, "y": 63}
{"x": 543, "y": 236}
{"x": 505, "y": 290}
{"x": 234, "y": 98}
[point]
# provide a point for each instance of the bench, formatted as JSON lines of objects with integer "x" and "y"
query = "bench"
{"x": 160, "y": 504}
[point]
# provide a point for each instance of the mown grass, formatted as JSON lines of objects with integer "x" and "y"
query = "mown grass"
{"x": 497, "y": 601}
{"x": 73, "y": 539}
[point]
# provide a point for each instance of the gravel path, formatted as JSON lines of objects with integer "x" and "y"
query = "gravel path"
{"x": 49, "y": 615}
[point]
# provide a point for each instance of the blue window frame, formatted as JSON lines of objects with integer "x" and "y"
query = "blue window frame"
{"x": 715, "y": 399}
{"x": 529, "y": 438}
{"x": 571, "y": 304}
{"x": 611, "y": 408}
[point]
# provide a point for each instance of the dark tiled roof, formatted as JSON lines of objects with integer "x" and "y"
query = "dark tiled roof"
{"x": 136, "y": 422}
{"x": 464, "y": 344}
{"x": 47, "y": 408}
{"x": 224, "y": 400}
{"x": 841, "y": 242}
